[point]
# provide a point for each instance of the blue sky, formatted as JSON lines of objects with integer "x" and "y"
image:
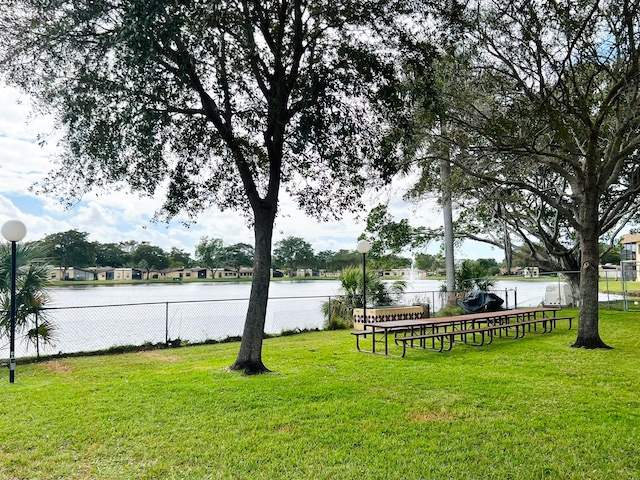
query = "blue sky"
{"x": 119, "y": 217}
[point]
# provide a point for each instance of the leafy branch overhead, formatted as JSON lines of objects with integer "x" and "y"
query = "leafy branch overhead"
{"x": 394, "y": 236}
{"x": 191, "y": 91}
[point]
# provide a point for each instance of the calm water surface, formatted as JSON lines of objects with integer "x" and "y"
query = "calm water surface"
{"x": 528, "y": 293}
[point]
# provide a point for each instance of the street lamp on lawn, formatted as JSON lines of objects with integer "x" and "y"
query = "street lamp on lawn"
{"x": 363, "y": 247}
{"x": 13, "y": 231}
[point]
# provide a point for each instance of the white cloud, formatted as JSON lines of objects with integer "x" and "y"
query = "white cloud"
{"x": 93, "y": 215}
{"x": 24, "y": 161}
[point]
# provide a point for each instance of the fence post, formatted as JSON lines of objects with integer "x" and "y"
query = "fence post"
{"x": 37, "y": 337}
{"x": 433, "y": 297}
{"x": 166, "y": 323}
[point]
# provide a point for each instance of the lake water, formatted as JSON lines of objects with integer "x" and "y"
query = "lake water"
{"x": 96, "y": 317}
{"x": 528, "y": 293}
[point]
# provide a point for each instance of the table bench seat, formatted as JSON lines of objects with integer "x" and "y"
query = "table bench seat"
{"x": 486, "y": 333}
{"x": 449, "y": 335}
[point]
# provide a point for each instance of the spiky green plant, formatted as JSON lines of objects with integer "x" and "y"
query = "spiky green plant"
{"x": 32, "y": 284}
{"x": 338, "y": 312}
{"x": 471, "y": 274}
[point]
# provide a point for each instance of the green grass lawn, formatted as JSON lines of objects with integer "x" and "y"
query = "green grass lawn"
{"x": 517, "y": 409}
{"x": 615, "y": 286}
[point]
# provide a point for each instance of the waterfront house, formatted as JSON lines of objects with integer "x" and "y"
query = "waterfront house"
{"x": 71, "y": 273}
{"x": 127, "y": 273}
{"x": 629, "y": 256}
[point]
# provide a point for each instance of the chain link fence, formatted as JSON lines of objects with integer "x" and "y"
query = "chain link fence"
{"x": 92, "y": 328}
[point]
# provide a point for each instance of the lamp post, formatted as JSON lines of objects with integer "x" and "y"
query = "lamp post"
{"x": 363, "y": 247}
{"x": 13, "y": 231}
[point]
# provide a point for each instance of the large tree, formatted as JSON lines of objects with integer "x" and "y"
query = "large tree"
{"x": 554, "y": 134}
{"x": 70, "y": 249}
{"x": 210, "y": 253}
{"x": 150, "y": 257}
{"x": 228, "y": 100}
{"x": 293, "y": 252}
{"x": 238, "y": 255}
{"x": 344, "y": 258}
{"x": 179, "y": 258}
{"x": 111, "y": 255}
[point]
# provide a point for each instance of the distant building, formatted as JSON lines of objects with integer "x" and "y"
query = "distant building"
{"x": 127, "y": 273}
{"x": 629, "y": 256}
{"x": 224, "y": 273}
{"x": 245, "y": 272}
{"x": 71, "y": 273}
{"x": 610, "y": 271}
{"x": 512, "y": 271}
{"x": 410, "y": 273}
{"x": 182, "y": 273}
{"x": 104, "y": 273}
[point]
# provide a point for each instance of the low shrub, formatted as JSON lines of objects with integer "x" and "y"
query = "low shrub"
{"x": 450, "y": 310}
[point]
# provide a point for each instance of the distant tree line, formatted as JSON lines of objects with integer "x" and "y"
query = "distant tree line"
{"x": 74, "y": 249}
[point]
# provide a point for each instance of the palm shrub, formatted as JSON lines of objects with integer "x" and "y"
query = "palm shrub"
{"x": 32, "y": 284}
{"x": 469, "y": 275}
{"x": 472, "y": 274}
{"x": 338, "y": 311}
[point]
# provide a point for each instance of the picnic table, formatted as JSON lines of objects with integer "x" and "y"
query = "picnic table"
{"x": 485, "y": 324}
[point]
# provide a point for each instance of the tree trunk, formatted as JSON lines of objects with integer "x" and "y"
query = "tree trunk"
{"x": 588, "y": 334}
{"x": 250, "y": 355}
{"x": 508, "y": 249}
{"x": 449, "y": 253}
{"x": 447, "y": 212}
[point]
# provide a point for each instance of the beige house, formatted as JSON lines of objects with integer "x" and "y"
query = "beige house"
{"x": 629, "y": 256}
{"x": 222, "y": 273}
{"x": 609, "y": 271}
{"x": 127, "y": 273}
{"x": 174, "y": 273}
{"x": 402, "y": 273}
{"x": 183, "y": 273}
{"x": 120, "y": 273}
{"x": 245, "y": 272}
{"x": 303, "y": 272}
{"x": 531, "y": 272}
{"x": 58, "y": 273}
{"x": 513, "y": 271}
{"x": 105, "y": 273}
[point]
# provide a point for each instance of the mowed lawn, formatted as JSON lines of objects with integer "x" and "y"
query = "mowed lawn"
{"x": 517, "y": 409}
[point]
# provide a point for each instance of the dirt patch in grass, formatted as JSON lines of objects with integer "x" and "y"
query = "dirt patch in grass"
{"x": 59, "y": 367}
{"x": 160, "y": 355}
{"x": 438, "y": 416}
